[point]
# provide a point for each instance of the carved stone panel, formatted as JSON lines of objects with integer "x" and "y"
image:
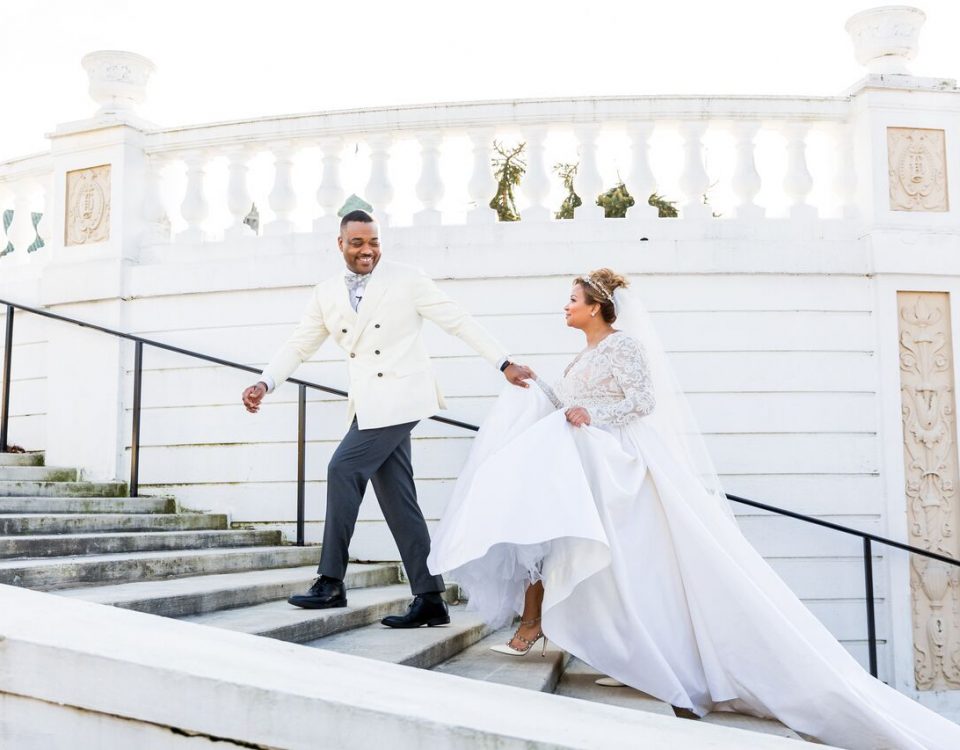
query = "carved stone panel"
{"x": 88, "y": 206}
{"x": 918, "y": 174}
{"x": 930, "y": 458}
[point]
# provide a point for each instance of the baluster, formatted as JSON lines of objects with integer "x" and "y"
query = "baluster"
{"x": 156, "y": 223}
{"x": 44, "y": 207}
{"x": 845, "y": 180}
{"x": 283, "y": 198}
{"x": 797, "y": 183}
{"x": 483, "y": 184}
{"x": 330, "y": 195}
{"x": 6, "y": 203}
{"x": 430, "y": 184}
{"x": 239, "y": 200}
{"x": 536, "y": 181}
{"x": 694, "y": 181}
{"x": 642, "y": 181}
{"x": 194, "y": 208}
{"x": 746, "y": 179}
{"x": 379, "y": 190}
{"x": 22, "y": 233}
{"x": 588, "y": 182}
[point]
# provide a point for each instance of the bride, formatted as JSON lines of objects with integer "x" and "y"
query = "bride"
{"x": 596, "y": 514}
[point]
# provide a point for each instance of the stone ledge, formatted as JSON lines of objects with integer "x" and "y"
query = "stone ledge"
{"x": 243, "y": 688}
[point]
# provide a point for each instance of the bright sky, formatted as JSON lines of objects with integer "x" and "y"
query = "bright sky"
{"x": 226, "y": 59}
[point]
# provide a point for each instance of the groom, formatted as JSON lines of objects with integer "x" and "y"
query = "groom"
{"x": 375, "y": 312}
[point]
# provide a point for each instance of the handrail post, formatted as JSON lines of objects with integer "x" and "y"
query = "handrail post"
{"x": 5, "y": 393}
{"x": 301, "y": 463}
{"x": 871, "y": 618}
{"x": 135, "y": 432}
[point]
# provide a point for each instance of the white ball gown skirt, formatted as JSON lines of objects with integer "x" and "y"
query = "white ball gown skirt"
{"x": 649, "y": 580}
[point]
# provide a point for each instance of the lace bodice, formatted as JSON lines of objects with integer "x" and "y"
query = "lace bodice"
{"x": 611, "y": 381}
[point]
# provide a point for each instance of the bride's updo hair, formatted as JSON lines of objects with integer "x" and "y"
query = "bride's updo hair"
{"x": 598, "y": 288}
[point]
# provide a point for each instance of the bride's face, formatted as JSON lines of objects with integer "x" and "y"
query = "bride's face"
{"x": 577, "y": 310}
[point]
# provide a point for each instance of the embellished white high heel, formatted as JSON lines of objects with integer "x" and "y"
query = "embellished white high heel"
{"x": 511, "y": 651}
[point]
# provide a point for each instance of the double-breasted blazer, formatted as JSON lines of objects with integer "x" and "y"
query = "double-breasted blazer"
{"x": 391, "y": 378}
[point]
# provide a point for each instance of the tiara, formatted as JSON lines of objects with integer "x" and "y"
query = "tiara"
{"x": 604, "y": 292}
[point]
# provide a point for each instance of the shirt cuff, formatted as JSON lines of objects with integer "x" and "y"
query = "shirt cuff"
{"x": 268, "y": 381}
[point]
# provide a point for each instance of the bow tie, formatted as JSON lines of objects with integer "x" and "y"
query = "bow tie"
{"x": 355, "y": 280}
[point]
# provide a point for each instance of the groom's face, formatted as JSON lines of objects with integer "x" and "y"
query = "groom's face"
{"x": 359, "y": 242}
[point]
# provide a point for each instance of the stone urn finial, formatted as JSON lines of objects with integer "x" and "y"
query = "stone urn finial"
{"x": 885, "y": 38}
{"x": 118, "y": 80}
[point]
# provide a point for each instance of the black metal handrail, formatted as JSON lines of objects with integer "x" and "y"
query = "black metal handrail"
{"x": 303, "y": 385}
{"x": 139, "y": 343}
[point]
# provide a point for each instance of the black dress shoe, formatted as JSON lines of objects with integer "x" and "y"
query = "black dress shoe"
{"x": 325, "y": 593}
{"x": 426, "y": 609}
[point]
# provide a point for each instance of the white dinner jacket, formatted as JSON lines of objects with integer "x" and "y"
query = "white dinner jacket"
{"x": 391, "y": 379}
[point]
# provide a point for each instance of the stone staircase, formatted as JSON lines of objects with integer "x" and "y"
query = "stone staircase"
{"x": 88, "y": 541}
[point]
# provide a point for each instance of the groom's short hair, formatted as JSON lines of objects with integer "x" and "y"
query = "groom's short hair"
{"x": 357, "y": 214}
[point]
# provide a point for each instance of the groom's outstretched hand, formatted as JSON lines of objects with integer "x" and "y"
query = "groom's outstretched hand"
{"x": 252, "y": 397}
{"x": 519, "y": 374}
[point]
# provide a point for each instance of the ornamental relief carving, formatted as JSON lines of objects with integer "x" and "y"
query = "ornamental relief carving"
{"x": 88, "y": 206}
{"x": 918, "y": 178}
{"x": 930, "y": 457}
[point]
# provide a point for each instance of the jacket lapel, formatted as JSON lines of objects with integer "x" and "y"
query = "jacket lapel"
{"x": 339, "y": 291}
{"x": 372, "y": 295}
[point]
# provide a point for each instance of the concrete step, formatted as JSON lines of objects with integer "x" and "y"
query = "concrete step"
{"x": 182, "y": 597}
{"x": 38, "y": 474}
{"x": 532, "y": 671}
{"x": 750, "y": 723}
{"x": 288, "y": 623}
{"x": 577, "y": 681}
{"x": 65, "y": 572}
{"x": 423, "y": 647}
{"x": 92, "y": 523}
{"x": 21, "y": 459}
{"x": 10, "y": 488}
{"x": 64, "y": 545}
{"x": 34, "y": 504}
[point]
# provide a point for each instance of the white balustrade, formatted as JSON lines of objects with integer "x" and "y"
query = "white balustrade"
{"x": 642, "y": 183}
{"x": 239, "y": 200}
{"x": 798, "y": 183}
{"x": 430, "y": 184}
{"x": 483, "y": 184}
{"x": 694, "y": 181}
{"x": 330, "y": 194}
{"x": 283, "y": 198}
{"x": 536, "y": 181}
{"x": 379, "y": 192}
{"x": 588, "y": 182}
{"x": 638, "y": 124}
{"x": 194, "y": 208}
{"x": 156, "y": 223}
{"x": 746, "y": 181}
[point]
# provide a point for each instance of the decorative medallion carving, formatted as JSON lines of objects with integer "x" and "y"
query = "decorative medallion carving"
{"x": 918, "y": 176}
{"x": 88, "y": 206}
{"x": 930, "y": 457}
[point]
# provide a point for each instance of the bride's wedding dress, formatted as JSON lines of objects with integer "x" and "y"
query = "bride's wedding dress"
{"x": 647, "y": 577}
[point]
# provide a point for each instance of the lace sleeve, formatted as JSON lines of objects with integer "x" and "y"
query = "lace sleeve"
{"x": 628, "y": 366}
